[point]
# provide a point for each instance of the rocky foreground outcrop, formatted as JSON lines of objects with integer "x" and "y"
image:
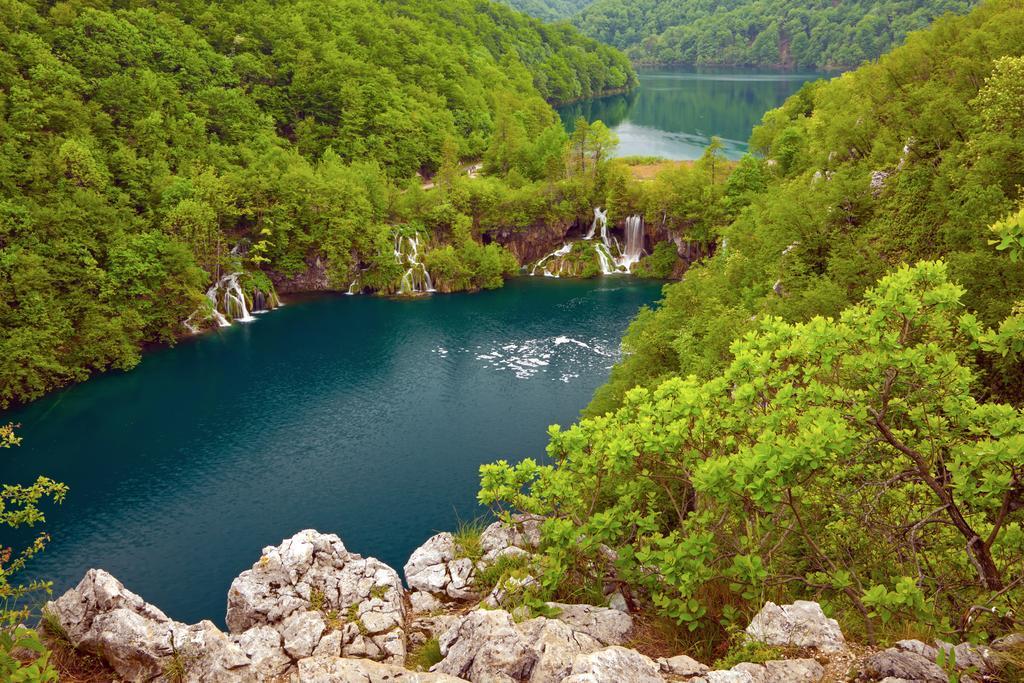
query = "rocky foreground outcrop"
{"x": 306, "y": 598}
{"x": 309, "y": 610}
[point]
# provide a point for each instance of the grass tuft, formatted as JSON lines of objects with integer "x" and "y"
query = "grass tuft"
{"x": 467, "y": 539}
{"x": 425, "y": 656}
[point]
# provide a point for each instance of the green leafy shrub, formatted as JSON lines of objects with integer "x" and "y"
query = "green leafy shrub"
{"x": 804, "y": 469}
{"x": 660, "y": 263}
{"x": 23, "y": 655}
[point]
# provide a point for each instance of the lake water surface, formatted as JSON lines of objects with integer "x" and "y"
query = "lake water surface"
{"x": 675, "y": 112}
{"x": 361, "y": 416}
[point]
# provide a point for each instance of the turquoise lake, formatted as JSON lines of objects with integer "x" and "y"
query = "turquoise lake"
{"x": 675, "y": 112}
{"x": 362, "y": 416}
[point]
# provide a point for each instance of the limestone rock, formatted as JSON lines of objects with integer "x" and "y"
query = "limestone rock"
{"x": 488, "y": 645}
{"x": 801, "y": 624}
{"x": 423, "y": 602}
{"x": 338, "y": 670}
{"x": 137, "y": 640}
{"x": 485, "y": 644}
{"x": 508, "y": 591}
{"x": 499, "y": 537}
{"x": 967, "y": 656}
{"x": 265, "y": 649}
{"x": 294, "y": 586}
{"x": 435, "y": 568}
{"x": 609, "y": 626}
{"x": 898, "y": 663}
{"x": 681, "y": 665}
{"x": 618, "y": 601}
{"x": 301, "y": 632}
{"x": 878, "y": 179}
{"x": 727, "y": 676}
{"x": 783, "y": 671}
{"x": 916, "y": 646}
{"x": 614, "y": 664}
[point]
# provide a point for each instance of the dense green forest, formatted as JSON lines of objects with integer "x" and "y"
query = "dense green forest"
{"x": 548, "y": 10}
{"x": 910, "y": 158}
{"x": 148, "y": 147}
{"x": 776, "y": 33}
{"x": 806, "y": 415}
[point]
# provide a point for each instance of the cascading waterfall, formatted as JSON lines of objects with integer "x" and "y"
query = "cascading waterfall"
{"x": 630, "y": 256}
{"x": 611, "y": 256}
{"x": 218, "y": 317}
{"x": 599, "y": 217}
{"x": 416, "y": 279}
{"x": 556, "y": 255}
{"x": 234, "y": 298}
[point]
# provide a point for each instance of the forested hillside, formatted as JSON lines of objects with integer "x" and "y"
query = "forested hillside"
{"x": 773, "y": 33}
{"x": 548, "y": 10}
{"x": 829, "y": 408}
{"x": 913, "y": 157}
{"x": 148, "y": 147}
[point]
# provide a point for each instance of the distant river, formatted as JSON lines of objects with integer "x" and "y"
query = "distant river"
{"x": 675, "y": 112}
{"x": 362, "y": 416}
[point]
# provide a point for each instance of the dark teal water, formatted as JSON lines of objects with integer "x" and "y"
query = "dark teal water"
{"x": 675, "y": 112}
{"x": 355, "y": 415}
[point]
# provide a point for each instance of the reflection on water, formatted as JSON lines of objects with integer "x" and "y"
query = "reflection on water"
{"x": 675, "y": 112}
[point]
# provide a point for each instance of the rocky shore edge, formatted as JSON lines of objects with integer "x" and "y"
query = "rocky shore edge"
{"x": 310, "y": 610}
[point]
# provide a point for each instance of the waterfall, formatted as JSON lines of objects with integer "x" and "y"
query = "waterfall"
{"x": 599, "y": 217}
{"x": 228, "y": 303}
{"x": 211, "y": 294}
{"x": 416, "y": 279}
{"x": 612, "y": 257}
{"x": 634, "y": 244}
{"x": 556, "y": 254}
{"x": 604, "y": 258}
{"x": 353, "y": 288}
{"x": 231, "y": 302}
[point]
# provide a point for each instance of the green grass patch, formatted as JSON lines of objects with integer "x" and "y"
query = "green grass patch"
{"x": 425, "y": 656}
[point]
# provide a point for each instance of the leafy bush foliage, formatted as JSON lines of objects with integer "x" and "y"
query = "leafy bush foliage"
{"x": 23, "y": 656}
{"x": 772, "y": 33}
{"x": 801, "y": 232}
{"x": 845, "y": 459}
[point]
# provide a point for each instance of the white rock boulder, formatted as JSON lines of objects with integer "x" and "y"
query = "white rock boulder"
{"x": 488, "y": 645}
{"x": 802, "y": 624}
{"x": 614, "y": 664}
{"x": 309, "y": 586}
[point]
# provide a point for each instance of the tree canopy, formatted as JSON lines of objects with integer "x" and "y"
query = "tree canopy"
{"x": 908, "y": 158}
{"x": 148, "y": 147}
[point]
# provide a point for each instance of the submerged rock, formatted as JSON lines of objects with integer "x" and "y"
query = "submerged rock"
{"x": 801, "y": 624}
